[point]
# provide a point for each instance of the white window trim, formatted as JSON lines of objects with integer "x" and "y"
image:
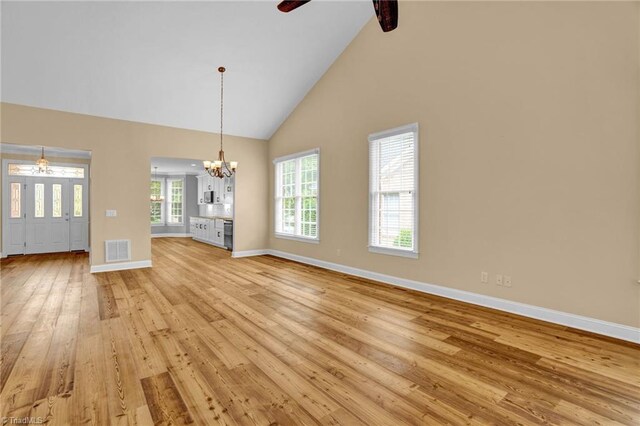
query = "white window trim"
{"x": 284, "y": 236}
{"x": 163, "y": 219}
{"x": 413, "y": 254}
{"x": 297, "y": 238}
{"x": 166, "y": 200}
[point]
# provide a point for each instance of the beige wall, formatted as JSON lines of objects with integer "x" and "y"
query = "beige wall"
{"x": 121, "y": 153}
{"x": 528, "y": 118}
{"x": 638, "y": 142}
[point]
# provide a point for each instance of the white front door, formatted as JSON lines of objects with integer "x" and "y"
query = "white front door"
{"x": 14, "y": 216}
{"x": 47, "y": 215}
{"x": 78, "y": 214}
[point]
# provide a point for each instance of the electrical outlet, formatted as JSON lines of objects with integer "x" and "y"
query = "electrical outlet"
{"x": 112, "y": 213}
{"x": 338, "y": 252}
{"x": 499, "y": 279}
{"x": 507, "y": 280}
{"x": 484, "y": 277}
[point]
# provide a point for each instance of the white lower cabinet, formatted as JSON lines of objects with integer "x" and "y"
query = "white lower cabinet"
{"x": 218, "y": 231}
{"x": 207, "y": 230}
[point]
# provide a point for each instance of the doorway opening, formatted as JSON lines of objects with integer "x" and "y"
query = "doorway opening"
{"x": 45, "y": 209}
{"x": 187, "y": 202}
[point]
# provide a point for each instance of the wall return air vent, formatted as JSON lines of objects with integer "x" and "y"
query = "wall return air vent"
{"x": 117, "y": 250}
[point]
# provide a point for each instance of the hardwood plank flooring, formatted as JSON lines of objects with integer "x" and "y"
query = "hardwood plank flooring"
{"x": 202, "y": 338}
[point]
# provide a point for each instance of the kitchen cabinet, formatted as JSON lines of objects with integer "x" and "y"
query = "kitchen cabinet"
{"x": 208, "y": 230}
{"x": 206, "y": 224}
{"x": 227, "y": 189}
{"x": 201, "y": 229}
{"x": 218, "y": 232}
{"x": 205, "y": 183}
{"x": 211, "y": 231}
{"x": 218, "y": 187}
{"x": 208, "y": 183}
{"x": 200, "y": 190}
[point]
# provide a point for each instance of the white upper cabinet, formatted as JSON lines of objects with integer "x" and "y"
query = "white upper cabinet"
{"x": 228, "y": 186}
{"x": 223, "y": 189}
{"x": 218, "y": 190}
{"x": 200, "y": 190}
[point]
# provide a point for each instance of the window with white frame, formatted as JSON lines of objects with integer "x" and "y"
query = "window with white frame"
{"x": 297, "y": 196}
{"x": 157, "y": 207}
{"x": 170, "y": 209}
{"x": 175, "y": 191}
{"x": 393, "y": 191}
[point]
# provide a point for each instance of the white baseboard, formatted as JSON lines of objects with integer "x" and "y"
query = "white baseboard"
{"x": 619, "y": 331}
{"x": 107, "y": 267}
{"x": 248, "y": 253}
{"x": 170, "y": 235}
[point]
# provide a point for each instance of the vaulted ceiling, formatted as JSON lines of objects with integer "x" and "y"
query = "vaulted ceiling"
{"x": 156, "y": 62}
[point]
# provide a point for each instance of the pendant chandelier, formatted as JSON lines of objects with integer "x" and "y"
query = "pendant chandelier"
{"x": 220, "y": 168}
{"x": 42, "y": 163}
{"x": 156, "y": 197}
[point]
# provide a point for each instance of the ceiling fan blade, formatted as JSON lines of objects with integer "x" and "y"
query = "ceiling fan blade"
{"x": 289, "y": 5}
{"x": 387, "y": 13}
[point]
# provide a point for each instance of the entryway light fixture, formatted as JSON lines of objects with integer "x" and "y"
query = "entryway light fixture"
{"x": 158, "y": 196}
{"x": 42, "y": 163}
{"x": 219, "y": 168}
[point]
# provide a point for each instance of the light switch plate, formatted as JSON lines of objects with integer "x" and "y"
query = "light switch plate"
{"x": 112, "y": 213}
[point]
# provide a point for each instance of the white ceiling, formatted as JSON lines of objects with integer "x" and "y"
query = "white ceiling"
{"x": 156, "y": 62}
{"x": 177, "y": 166}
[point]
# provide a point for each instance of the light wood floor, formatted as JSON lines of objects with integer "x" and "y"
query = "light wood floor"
{"x": 205, "y": 339}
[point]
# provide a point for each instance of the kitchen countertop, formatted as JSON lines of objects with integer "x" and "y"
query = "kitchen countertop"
{"x": 215, "y": 217}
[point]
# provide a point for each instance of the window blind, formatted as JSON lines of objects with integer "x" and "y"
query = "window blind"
{"x": 393, "y": 190}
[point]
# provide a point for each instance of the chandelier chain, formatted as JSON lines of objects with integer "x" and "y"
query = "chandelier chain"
{"x": 221, "y": 105}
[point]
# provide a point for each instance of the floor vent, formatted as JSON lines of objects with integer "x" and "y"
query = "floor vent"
{"x": 117, "y": 250}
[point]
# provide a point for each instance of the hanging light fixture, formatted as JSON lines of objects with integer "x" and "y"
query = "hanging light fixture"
{"x": 156, "y": 197}
{"x": 220, "y": 168}
{"x": 42, "y": 163}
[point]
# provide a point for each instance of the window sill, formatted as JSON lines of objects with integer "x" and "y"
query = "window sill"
{"x": 174, "y": 224}
{"x": 394, "y": 252}
{"x": 296, "y": 238}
